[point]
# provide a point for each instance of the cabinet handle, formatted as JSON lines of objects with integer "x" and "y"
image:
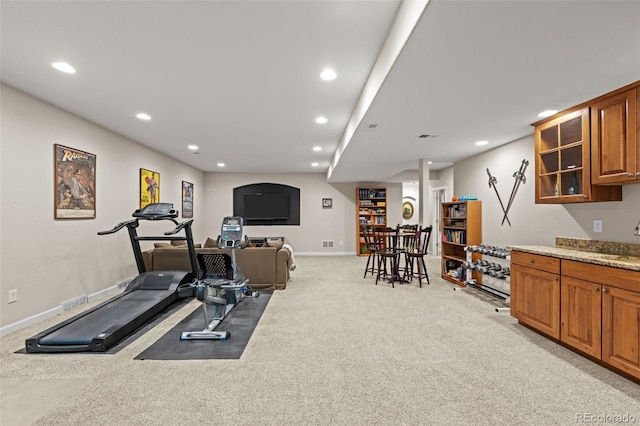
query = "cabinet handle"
{"x": 604, "y": 290}
{"x": 637, "y": 173}
{"x": 596, "y": 288}
{"x": 630, "y": 174}
{"x": 530, "y": 260}
{"x": 585, "y": 196}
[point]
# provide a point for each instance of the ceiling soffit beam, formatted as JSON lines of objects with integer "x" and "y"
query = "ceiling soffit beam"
{"x": 406, "y": 19}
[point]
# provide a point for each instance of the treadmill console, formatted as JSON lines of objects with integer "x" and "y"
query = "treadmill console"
{"x": 156, "y": 211}
{"x": 231, "y": 231}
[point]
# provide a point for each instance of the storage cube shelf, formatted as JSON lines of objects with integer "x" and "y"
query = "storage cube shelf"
{"x": 461, "y": 226}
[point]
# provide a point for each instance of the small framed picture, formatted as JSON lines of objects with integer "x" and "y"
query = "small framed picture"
{"x": 187, "y": 199}
{"x": 327, "y": 203}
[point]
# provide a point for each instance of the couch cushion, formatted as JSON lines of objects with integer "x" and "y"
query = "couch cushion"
{"x": 210, "y": 243}
{"x": 277, "y": 244}
{"x": 257, "y": 264}
{"x": 160, "y": 245}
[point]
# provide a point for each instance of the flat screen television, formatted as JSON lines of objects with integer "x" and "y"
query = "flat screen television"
{"x": 266, "y": 206}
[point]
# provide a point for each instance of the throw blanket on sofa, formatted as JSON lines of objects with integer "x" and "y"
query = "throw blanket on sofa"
{"x": 292, "y": 262}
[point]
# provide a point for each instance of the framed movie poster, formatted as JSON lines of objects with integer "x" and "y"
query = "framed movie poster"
{"x": 149, "y": 187}
{"x": 187, "y": 199}
{"x": 75, "y": 183}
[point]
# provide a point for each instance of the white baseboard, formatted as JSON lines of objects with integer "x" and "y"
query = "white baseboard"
{"x": 324, "y": 253}
{"x": 59, "y": 309}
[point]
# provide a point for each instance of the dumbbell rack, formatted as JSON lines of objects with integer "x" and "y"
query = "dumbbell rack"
{"x": 496, "y": 274}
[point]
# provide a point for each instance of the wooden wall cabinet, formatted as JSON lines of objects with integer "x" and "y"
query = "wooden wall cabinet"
{"x": 535, "y": 291}
{"x": 371, "y": 210}
{"x": 563, "y": 161}
{"x": 615, "y": 138}
{"x": 461, "y": 227}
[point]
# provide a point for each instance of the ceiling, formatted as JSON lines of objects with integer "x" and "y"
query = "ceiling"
{"x": 240, "y": 79}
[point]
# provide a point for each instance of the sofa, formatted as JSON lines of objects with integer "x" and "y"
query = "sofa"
{"x": 265, "y": 262}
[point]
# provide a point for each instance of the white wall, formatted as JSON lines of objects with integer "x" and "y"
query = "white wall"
{"x": 51, "y": 261}
{"x": 316, "y": 224}
{"x": 532, "y": 223}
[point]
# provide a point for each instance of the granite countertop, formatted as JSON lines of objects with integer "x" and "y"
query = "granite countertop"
{"x": 606, "y": 253}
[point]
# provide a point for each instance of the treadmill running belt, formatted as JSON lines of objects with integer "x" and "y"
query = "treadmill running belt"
{"x": 107, "y": 319}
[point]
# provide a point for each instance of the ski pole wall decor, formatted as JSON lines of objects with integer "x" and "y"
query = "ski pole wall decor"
{"x": 492, "y": 184}
{"x": 520, "y": 178}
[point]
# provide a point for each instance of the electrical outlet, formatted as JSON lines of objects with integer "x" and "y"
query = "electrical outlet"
{"x": 13, "y": 295}
{"x": 597, "y": 226}
{"x": 637, "y": 231}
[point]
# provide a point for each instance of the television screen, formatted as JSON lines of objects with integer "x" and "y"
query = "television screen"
{"x": 266, "y": 206}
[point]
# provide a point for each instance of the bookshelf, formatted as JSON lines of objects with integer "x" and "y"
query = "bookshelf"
{"x": 371, "y": 210}
{"x": 461, "y": 226}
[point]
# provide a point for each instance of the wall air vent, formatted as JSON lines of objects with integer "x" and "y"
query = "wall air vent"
{"x": 426, "y": 136}
{"x": 327, "y": 243}
{"x": 74, "y": 302}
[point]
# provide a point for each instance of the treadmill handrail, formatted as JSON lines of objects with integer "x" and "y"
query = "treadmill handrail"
{"x": 117, "y": 227}
{"x": 179, "y": 228}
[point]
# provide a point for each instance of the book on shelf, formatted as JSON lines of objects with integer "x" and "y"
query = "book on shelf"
{"x": 458, "y": 237}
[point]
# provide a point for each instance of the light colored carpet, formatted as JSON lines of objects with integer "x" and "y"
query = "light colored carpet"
{"x": 331, "y": 349}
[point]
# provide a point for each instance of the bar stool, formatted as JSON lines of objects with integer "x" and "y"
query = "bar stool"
{"x": 388, "y": 253}
{"x": 417, "y": 254}
{"x": 372, "y": 248}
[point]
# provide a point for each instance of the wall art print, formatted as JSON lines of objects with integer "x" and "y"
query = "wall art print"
{"x": 149, "y": 187}
{"x": 407, "y": 210}
{"x": 187, "y": 199}
{"x": 75, "y": 183}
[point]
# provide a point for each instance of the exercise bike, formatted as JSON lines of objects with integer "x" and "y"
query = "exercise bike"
{"x": 220, "y": 285}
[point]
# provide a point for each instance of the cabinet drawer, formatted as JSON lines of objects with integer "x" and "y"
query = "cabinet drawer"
{"x": 614, "y": 277}
{"x": 536, "y": 261}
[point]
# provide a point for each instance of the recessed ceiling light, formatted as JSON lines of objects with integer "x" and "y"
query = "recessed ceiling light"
{"x": 547, "y": 113}
{"x": 328, "y": 74}
{"x": 221, "y": 164}
{"x": 314, "y": 164}
{"x": 321, "y": 120}
{"x": 429, "y": 162}
{"x": 64, "y": 67}
{"x": 317, "y": 148}
{"x": 193, "y": 147}
{"x": 480, "y": 143}
{"x": 143, "y": 116}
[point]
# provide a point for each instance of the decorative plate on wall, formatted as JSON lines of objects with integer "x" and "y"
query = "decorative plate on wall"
{"x": 407, "y": 210}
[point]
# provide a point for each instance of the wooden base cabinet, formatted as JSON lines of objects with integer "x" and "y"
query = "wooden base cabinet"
{"x": 621, "y": 329}
{"x": 601, "y": 313}
{"x": 535, "y": 291}
{"x": 580, "y": 315}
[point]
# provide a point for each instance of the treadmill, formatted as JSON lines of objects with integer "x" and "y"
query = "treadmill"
{"x": 99, "y": 328}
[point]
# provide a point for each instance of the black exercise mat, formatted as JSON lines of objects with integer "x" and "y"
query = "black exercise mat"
{"x": 159, "y": 317}
{"x": 239, "y": 322}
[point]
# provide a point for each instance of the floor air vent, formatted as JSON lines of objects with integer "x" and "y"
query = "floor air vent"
{"x": 74, "y": 302}
{"x": 327, "y": 243}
